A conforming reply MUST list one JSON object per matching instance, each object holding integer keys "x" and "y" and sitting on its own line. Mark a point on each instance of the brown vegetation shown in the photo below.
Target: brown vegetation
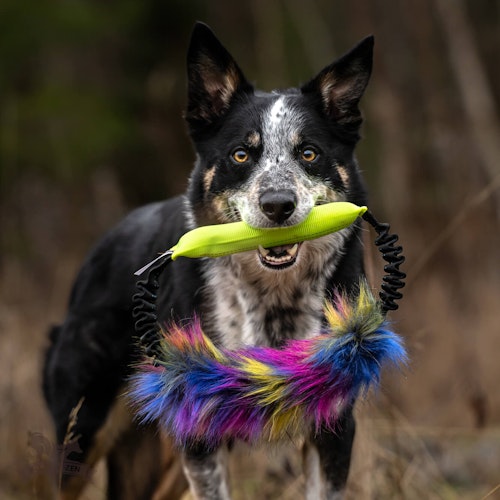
{"x": 431, "y": 156}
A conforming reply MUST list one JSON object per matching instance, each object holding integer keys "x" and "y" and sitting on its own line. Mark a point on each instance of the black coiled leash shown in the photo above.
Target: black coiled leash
{"x": 145, "y": 310}
{"x": 392, "y": 282}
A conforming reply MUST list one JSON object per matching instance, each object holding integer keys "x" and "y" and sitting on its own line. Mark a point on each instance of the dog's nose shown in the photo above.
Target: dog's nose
{"x": 278, "y": 206}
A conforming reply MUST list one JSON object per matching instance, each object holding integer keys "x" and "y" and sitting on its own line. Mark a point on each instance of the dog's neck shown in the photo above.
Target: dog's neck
{"x": 254, "y": 306}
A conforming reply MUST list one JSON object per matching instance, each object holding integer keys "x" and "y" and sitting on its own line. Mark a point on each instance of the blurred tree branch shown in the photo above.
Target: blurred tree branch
{"x": 474, "y": 87}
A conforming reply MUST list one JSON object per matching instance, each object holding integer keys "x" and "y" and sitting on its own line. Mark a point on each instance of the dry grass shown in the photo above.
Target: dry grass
{"x": 417, "y": 438}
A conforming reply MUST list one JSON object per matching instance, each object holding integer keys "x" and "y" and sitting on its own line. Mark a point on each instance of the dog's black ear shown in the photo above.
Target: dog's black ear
{"x": 214, "y": 78}
{"x": 342, "y": 84}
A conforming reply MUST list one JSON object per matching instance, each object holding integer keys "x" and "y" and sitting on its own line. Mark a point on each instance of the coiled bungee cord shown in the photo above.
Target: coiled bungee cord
{"x": 392, "y": 282}
{"x": 145, "y": 309}
{"x": 199, "y": 392}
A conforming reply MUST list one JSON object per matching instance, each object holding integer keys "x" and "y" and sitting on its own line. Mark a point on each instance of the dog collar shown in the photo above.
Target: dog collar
{"x": 199, "y": 392}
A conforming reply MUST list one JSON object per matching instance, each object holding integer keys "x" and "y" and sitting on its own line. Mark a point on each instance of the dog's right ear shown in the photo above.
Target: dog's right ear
{"x": 214, "y": 79}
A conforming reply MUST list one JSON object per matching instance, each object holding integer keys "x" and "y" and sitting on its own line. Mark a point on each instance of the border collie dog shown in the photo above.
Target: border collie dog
{"x": 266, "y": 159}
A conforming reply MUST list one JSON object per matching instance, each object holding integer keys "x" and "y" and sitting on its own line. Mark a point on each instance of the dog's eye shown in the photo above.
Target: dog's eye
{"x": 240, "y": 156}
{"x": 308, "y": 154}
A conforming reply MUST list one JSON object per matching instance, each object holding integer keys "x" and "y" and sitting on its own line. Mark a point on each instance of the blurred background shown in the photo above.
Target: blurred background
{"x": 91, "y": 103}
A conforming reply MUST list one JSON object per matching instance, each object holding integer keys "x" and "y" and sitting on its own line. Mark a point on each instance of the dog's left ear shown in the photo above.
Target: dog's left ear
{"x": 214, "y": 79}
{"x": 342, "y": 84}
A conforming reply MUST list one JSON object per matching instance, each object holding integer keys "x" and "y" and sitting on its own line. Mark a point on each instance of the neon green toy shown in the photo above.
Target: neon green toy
{"x": 225, "y": 239}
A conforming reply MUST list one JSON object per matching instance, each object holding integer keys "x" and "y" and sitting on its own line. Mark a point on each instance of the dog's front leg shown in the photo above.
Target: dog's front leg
{"x": 327, "y": 457}
{"x": 206, "y": 472}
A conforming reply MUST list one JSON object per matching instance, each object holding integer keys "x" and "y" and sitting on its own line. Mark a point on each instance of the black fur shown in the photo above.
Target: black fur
{"x": 93, "y": 351}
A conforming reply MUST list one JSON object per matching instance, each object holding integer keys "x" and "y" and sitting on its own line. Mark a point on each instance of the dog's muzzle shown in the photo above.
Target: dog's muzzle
{"x": 278, "y": 206}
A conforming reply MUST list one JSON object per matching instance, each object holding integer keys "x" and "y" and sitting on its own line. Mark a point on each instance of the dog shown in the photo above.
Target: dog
{"x": 266, "y": 159}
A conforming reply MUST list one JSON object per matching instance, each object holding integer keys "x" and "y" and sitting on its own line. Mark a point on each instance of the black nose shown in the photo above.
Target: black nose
{"x": 278, "y": 206}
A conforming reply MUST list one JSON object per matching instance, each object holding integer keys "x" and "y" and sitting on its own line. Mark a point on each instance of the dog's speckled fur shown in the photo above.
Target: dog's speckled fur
{"x": 265, "y": 158}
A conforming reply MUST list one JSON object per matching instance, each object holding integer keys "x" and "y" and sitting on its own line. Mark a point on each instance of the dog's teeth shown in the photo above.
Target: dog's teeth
{"x": 293, "y": 251}
{"x": 280, "y": 255}
{"x": 264, "y": 251}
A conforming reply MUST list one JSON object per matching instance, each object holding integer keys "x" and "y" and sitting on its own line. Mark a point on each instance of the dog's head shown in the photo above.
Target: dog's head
{"x": 268, "y": 158}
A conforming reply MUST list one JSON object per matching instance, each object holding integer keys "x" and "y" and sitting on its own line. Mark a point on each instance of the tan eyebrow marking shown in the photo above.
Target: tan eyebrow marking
{"x": 254, "y": 139}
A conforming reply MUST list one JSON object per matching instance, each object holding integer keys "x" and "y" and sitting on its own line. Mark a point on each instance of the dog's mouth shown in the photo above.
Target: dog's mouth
{"x": 279, "y": 257}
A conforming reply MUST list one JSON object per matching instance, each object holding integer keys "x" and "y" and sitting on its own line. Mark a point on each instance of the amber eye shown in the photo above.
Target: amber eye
{"x": 240, "y": 156}
{"x": 308, "y": 154}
